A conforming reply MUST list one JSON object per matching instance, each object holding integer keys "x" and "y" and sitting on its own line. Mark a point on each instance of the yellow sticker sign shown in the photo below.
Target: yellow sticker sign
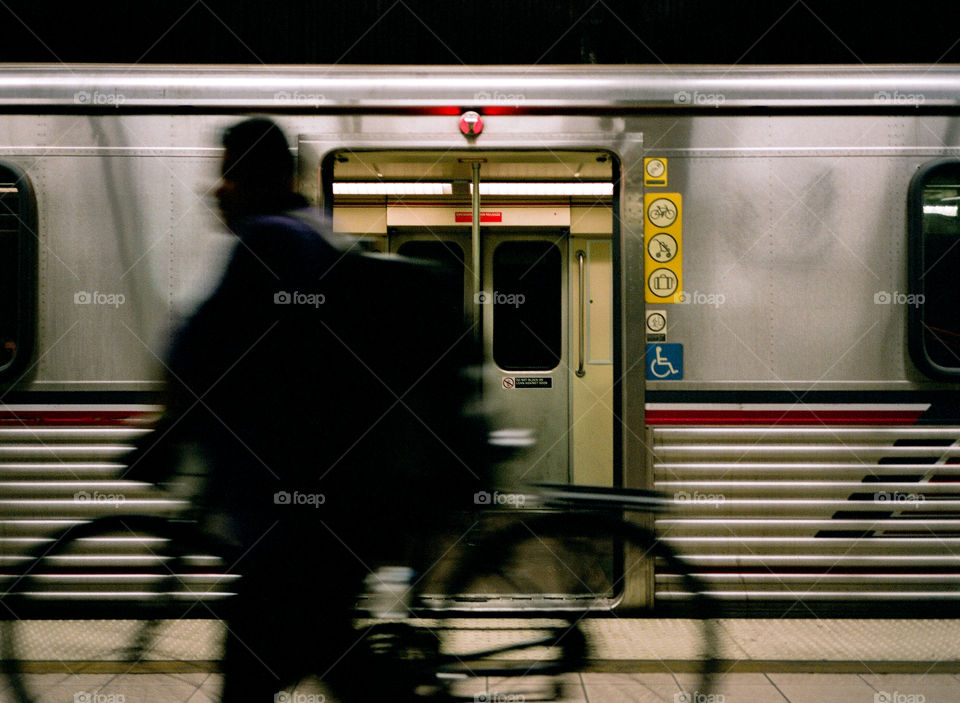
{"x": 655, "y": 172}
{"x": 663, "y": 246}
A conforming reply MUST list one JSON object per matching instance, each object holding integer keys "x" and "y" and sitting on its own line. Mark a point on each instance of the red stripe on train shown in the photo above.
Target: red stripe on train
{"x": 782, "y": 417}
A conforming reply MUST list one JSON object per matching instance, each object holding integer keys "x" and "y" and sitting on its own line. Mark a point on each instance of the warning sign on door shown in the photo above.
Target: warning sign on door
{"x": 510, "y": 382}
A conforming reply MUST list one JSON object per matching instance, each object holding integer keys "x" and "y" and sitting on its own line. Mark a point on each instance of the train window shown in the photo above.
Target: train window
{"x": 450, "y": 255}
{"x": 526, "y": 301}
{"x": 18, "y": 266}
{"x": 934, "y": 315}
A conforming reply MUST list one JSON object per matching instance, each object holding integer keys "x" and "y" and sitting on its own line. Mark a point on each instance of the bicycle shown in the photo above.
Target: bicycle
{"x": 526, "y": 582}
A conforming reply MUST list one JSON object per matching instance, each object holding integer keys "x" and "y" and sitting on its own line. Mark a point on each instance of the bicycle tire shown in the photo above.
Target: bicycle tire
{"x": 143, "y": 625}
{"x": 503, "y": 557}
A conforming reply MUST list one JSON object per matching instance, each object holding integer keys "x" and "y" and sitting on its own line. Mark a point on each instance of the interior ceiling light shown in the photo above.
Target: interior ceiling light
{"x": 528, "y": 188}
{"x": 346, "y": 188}
{"x": 546, "y": 188}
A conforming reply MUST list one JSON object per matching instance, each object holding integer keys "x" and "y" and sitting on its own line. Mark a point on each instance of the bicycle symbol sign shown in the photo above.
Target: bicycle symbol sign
{"x": 662, "y": 212}
{"x": 664, "y": 362}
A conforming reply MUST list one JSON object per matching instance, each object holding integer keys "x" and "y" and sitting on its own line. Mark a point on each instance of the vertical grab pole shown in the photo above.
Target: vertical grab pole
{"x": 477, "y": 277}
{"x": 581, "y": 311}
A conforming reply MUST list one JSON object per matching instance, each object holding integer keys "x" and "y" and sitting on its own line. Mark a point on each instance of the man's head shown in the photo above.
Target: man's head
{"x": 257, "y": 171}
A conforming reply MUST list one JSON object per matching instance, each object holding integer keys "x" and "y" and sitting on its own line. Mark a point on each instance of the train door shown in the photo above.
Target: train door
{"x": 590, "y": 277}
{"x": 539, "y": 283}
{"x": 524, "y": 319}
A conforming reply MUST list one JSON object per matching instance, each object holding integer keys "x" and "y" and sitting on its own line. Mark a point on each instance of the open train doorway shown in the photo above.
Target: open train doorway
{"x": 532, "y": 234}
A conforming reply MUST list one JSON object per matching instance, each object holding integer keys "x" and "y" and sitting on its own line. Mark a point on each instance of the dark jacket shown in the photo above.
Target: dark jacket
{"x": 321, "y": 384}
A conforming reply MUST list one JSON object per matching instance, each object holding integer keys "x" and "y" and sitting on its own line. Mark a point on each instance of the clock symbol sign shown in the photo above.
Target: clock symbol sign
{"x": 655, "y": 168}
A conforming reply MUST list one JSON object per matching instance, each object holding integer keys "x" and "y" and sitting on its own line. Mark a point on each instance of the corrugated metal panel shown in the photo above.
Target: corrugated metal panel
{"x": 813, "y": 513}
{"x": 52, "y": 478}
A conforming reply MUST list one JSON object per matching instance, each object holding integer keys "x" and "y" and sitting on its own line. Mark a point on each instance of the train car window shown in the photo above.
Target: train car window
{"x": 448, "y": 254}
{"x": 933, "y": 310}
{"x": 18, "y": 266}
{"x": 527, "y": 306}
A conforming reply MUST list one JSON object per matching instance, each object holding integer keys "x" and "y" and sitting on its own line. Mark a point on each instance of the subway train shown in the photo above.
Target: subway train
{"x": 730, "y": 284}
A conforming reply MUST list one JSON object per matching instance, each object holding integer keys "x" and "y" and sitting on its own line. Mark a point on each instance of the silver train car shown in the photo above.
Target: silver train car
{"x": 732, "y": 284}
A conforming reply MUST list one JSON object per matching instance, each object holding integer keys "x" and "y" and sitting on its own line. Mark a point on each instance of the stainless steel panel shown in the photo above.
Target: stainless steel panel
{"x": 742, "y": 549}
{"x": 52, "y": 478}
{"x": 70, "y": 434}
{"x": 545, "y": 411}
{"x": 797, "y": 220}
{"x": 773, "y": 526}
{"x": 799, "y": 597}
{"x": 87, "y": 509}
{"x": 756, "y": 507}
{"x": 314, "y": 88}
{"x": 787, "y": 508}
{"x": 815, "y": 489}
{"x": 789, "y": 253}
{"x": 855, "y": 469}
{"x": 836, "y": 435}
{"x": 801, "y": 452}
{"x": 74, "y": 452}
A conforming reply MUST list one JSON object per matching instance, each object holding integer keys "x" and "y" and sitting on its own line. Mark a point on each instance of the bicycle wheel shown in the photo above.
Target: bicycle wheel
{"x": 109, "y": 599}
{"x": 566, "y": 565}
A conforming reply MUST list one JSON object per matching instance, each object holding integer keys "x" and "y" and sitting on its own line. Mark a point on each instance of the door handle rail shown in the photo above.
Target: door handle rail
{"x": 581, "y": 311}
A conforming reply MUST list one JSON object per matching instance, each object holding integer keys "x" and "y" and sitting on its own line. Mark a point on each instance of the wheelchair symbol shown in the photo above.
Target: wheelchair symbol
{"x": 666, "y": 362}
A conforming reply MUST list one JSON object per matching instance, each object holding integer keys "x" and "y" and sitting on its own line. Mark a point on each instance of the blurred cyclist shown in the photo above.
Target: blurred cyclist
{"x": 322, "y": 388}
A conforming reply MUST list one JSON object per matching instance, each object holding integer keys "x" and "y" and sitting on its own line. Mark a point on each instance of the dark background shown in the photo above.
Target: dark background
{"x": 481, "y": 31}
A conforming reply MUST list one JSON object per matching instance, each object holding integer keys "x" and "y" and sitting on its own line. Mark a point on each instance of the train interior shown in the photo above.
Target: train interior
{"x": 537, "y": 287}
{"x": 546, "y": 228}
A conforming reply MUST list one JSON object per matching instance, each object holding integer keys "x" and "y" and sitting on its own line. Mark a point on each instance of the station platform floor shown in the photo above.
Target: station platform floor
{"x": 632, "y": 660}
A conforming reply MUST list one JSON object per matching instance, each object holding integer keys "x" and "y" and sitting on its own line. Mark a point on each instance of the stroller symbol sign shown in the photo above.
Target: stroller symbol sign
{"x": 662, "y": 247}
{"x": 664, "y": 362}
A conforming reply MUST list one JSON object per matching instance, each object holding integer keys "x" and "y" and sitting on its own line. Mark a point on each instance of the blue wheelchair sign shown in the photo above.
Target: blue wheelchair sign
{"x": 664, "y": 362}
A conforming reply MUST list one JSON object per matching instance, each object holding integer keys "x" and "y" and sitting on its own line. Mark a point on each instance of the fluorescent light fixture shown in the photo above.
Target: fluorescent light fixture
{"x": 948, "y": 210}
{"x": 347, "y": 188}
{"x": 531, "y": 188}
